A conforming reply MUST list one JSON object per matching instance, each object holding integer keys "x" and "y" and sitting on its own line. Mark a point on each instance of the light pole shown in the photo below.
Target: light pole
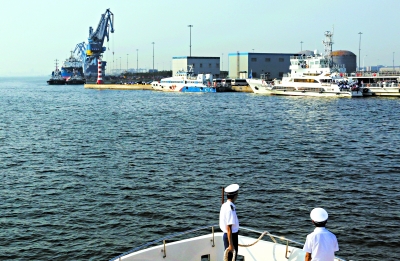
{"x": 137, "y": 60}
{"x": 190, "y": 28}
{"x": 127, "y": 63}
{"x": 120, "y": 62}
{"x": 222, "y": 61}
{"x": 364, "y": 62}
{"x": 301, "y": 46}
{"x": 153, "y": 60}
{"x": 359, "y": 51}
{"x": 393, "y": 62}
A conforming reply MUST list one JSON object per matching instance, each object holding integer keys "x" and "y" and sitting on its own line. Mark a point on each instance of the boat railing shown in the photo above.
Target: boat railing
{"x": 273, "y": 237}
{"x": 376, "y": 74}
{"x": 164, "y": 239}
{"x": 284, "y": 239}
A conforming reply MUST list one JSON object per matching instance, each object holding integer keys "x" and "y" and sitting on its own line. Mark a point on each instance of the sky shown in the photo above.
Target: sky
{"x": 36, "y": 33}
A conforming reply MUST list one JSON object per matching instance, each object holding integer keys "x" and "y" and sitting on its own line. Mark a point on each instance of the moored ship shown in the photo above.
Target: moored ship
{"x": 71, "y": 66}
{"x": 56, "y": 78}
{"x": 186, "y": 81}
{"x": 311, "y": 75}
{"x": 382, "y": 83}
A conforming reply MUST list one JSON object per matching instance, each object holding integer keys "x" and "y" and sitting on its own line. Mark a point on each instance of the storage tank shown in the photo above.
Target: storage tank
{"x": 347, "y": 58}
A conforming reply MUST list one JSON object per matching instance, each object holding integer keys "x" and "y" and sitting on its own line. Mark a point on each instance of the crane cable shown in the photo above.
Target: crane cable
{"x": 248, "y": 245}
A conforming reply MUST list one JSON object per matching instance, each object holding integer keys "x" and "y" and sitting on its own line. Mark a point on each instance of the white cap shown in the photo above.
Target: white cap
{"x": 232, "y": 189}
{"x": 319, "y": 215}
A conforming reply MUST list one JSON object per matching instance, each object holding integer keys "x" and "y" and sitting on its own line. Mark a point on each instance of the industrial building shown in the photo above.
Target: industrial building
{"x": 200, "y": 64}
{"x": 274, "y": 65}
{"x": 259, "y": 65}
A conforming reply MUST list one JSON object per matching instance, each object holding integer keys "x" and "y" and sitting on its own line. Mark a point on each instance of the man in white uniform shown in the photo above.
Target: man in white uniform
{"x": 228, "y": 220}
{"x": 321, "y": 244}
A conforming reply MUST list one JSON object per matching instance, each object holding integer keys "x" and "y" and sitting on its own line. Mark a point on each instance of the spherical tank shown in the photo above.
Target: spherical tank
{"x": 347, "y": 58}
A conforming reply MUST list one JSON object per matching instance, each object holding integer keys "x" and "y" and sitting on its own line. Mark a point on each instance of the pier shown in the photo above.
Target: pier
{"x": 118, "y": 86}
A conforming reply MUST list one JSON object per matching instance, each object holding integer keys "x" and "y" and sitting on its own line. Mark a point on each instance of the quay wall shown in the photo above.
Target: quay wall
{"x": 149, "y": 87}
{"x": 118, "y": 86}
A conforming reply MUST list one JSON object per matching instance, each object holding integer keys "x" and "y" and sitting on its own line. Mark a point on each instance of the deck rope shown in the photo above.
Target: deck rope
{"x": 248, "y": 245}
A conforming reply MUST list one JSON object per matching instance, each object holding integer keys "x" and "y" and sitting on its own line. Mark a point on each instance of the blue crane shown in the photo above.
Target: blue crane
{"x": 89, "y": 53}
{"x": 96, "y": 38}
{"x": 80, "y": 49}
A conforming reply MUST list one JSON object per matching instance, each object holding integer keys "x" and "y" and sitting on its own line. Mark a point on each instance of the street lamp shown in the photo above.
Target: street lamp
{"x": 137, "y": 60}
{"x": 127, "y": 63}
{"x": 359, "y": 51}
{"x": 153, "y": 60}
{"x": 301, "y": 46}
{"x": 393, "y": 62}
{"x": 222, "y": 61}
{"x": 120, "y": 62}
{"x": 190, "y": 28}
{"x": 364, "y": 62}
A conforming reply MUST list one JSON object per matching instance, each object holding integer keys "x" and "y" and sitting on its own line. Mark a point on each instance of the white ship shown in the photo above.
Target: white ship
{"x": 186, "y": 81}
{"x": 263, "y": 246}
{"x": 382, "y": 83}
{"x": 311, "y": 75}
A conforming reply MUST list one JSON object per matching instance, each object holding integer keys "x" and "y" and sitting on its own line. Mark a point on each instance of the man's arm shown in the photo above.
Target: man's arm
{"x": 229, "y": 234}
{"x": 307, "y": 257}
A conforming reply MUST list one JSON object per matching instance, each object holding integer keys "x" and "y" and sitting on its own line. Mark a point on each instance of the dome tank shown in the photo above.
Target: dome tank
{"x": 347, "y": 58}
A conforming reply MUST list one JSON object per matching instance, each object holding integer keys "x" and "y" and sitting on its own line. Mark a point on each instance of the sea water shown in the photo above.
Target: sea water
{"x": 88, "y": 174}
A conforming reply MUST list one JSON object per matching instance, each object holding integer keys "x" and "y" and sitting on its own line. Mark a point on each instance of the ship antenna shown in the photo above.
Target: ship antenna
{"x": 328, "y": 45}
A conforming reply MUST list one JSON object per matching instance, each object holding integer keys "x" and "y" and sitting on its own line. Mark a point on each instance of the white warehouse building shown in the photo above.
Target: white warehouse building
{"x": 259, "y": 65}
{"x": 200, "y": 64}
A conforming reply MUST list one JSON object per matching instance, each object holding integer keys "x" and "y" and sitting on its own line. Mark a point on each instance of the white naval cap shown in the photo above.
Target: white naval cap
{"x": 319, "y": 215}
{"x": 232, "y": 189}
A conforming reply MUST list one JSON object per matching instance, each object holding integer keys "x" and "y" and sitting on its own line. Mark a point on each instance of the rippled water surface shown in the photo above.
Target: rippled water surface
{"x": 87, "y": 175}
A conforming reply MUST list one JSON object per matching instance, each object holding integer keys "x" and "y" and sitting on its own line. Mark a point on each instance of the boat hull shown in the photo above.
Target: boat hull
{"x": 75, "y": 82}
{"x": 56, "y": 82}
{"x": 384, "y": 91}
{"x": 196, "y": 89}
{"x": 262, "y": 87}
{"x": 211, "y": 247}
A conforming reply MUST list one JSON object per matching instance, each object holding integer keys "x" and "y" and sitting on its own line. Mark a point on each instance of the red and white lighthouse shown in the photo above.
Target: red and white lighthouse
{"x": 99, "y": 73}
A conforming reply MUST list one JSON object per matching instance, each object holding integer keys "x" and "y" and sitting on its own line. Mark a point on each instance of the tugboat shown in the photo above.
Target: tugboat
{"x": 75, "y": 79}
{"x": 56, "y": 78}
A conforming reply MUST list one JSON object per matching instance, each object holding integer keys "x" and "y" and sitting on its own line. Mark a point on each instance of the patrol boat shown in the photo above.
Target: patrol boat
{"x": 262, "y": 246}
{"x": 186, "y": 81}
{"x": 311, "y": 75}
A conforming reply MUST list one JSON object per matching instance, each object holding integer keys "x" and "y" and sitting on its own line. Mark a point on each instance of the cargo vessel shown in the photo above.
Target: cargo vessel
{"x": 72, "y": 66}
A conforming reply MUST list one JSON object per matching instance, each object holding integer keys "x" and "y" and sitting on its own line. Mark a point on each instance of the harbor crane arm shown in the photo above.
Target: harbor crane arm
{"x": 96, "y": 38}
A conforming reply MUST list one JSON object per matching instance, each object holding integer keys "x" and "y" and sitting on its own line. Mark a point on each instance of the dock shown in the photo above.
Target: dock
{"x": 118, "y": 86}
{"x": 140, "y": 87}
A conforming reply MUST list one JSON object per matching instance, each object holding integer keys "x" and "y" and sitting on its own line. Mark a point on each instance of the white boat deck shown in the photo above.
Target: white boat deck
{"x": 210, "y": 247}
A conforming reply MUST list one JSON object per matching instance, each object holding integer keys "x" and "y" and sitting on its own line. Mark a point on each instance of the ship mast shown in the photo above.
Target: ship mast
{"x": 328, "y": 42}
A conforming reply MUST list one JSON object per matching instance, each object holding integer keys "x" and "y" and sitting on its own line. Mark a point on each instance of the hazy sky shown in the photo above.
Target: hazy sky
{"x": 35, "y": 33}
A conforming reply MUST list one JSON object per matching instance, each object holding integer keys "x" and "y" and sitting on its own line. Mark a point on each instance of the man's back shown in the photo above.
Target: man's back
{"x": 322, "y": 244}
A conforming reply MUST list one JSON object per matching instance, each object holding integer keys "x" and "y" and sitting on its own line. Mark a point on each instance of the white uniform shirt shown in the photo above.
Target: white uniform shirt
{"x": 322, "y": 244}
{"x": 227, "y": 216}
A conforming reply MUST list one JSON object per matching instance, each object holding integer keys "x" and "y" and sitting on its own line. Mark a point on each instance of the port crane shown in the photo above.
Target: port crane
{"x": 80, "y": 50}
{"x": 96, "y": 38}
{"x": 90, "y": 52}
